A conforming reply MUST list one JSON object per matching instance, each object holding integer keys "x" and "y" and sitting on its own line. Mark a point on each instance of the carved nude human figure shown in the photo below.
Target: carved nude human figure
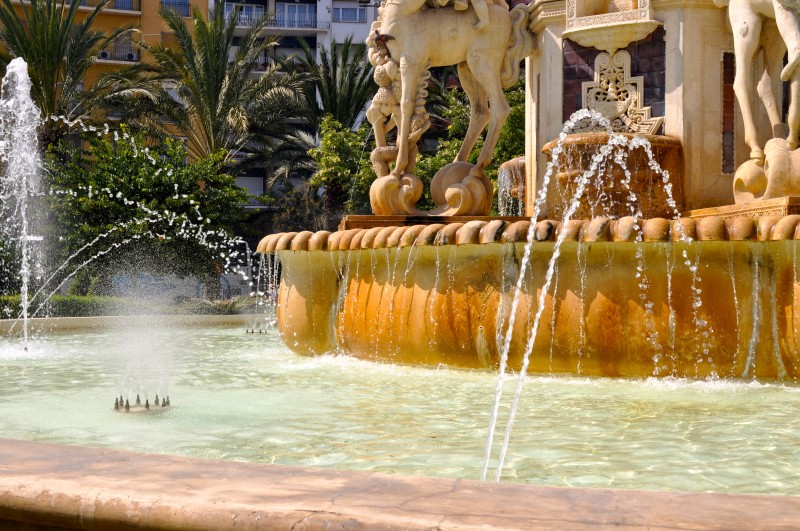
{"x": 750, "y": 34}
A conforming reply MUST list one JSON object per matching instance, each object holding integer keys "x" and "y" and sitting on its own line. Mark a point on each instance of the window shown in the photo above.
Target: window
{"x": 181, "y": 6}
{"x": 728, "y": 118}
{"x": 296, "y": 15}
{"x": 350, "y": 14}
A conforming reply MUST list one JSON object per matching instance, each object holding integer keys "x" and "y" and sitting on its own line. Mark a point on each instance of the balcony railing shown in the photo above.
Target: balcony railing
{"x": 182, "y": 7}
{"x": 283, "y": 22}
{"x": 119, "y": 5}
{"x": 119, "y": 52}
{"x": 299, "y": 22}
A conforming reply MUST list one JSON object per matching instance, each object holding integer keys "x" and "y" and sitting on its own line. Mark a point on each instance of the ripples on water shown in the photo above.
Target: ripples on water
{"x": 245, "y": 397}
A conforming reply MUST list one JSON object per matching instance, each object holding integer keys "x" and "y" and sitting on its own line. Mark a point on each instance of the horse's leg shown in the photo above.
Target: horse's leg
{"x": 788, "y": 22}
{"x": 479, "y": 110}
{"x": 770, "y": 86}
{"x": 410, "y": 72}
{"x": 486, "y": 68}
{"x": 746, "y": 26}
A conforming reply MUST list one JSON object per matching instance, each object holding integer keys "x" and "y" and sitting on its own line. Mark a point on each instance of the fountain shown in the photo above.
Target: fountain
{"x": 640, "y": 303}
{"x": 626, "y": 259}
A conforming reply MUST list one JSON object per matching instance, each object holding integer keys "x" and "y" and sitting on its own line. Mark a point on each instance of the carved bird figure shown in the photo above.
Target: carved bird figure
{"x": 381, "y": 40}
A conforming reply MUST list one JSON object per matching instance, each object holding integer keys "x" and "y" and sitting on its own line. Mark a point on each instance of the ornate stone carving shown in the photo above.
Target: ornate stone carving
{"x": 749, "y": 35}
{"x": 618, "y": 96}
{"x": 608, "y": 25}
{"x": 487, "y": 42}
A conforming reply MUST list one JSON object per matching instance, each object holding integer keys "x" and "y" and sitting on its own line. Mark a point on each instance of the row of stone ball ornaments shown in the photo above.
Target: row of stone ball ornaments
{"x": 629, "y": 229}
{"x": 123, "y": 404}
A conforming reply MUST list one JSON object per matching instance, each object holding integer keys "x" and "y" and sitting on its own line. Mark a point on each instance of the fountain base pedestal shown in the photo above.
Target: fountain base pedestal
{"x": 781, "y": 206}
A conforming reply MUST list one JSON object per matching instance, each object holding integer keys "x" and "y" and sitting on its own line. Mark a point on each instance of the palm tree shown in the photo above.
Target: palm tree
{"x": 207, "y": 87}
{"x": 59, "y": 50}
{"x": 339, "y": 85}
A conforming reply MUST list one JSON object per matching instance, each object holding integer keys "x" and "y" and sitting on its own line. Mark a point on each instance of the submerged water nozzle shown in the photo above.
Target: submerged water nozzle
{"x": 138, "y": 407}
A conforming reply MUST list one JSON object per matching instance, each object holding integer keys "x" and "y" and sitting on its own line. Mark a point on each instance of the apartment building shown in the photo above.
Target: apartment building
{"x": 141, "y": 14}
{"x": 321, "y": 23}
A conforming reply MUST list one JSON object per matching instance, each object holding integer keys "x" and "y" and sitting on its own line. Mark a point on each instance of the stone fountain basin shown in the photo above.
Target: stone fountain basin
{"x": 726, "y": 303}
{"x": 607, "y": 194}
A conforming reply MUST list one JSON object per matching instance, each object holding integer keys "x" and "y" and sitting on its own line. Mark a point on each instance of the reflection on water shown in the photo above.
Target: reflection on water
{"x": 245, "y": 397}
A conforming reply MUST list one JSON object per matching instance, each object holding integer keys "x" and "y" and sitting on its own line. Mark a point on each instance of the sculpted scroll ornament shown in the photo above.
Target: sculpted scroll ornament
{"x": 487, "y": 42}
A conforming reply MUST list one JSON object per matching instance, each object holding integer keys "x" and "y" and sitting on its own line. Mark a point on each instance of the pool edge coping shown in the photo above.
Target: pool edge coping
{"x": 74, "y": 487}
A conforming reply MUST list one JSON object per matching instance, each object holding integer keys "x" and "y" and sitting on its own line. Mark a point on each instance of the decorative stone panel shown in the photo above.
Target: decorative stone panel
{"x": 648, "y": 57}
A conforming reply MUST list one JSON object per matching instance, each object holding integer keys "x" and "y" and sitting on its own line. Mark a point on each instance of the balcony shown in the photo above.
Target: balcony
{"x": 120, "y": 52}
{"x": 117, "y": 5}
{"x": 285, "y": 22}
{"x": 182, "y": 7}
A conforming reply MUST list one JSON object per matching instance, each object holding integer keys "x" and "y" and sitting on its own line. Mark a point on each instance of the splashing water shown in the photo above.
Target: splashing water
{"x": 614, "y": 152}
{"x": 509, "y": 200}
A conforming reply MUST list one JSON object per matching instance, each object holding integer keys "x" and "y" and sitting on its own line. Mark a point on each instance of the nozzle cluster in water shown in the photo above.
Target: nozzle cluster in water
{"x": 123, "y": 404}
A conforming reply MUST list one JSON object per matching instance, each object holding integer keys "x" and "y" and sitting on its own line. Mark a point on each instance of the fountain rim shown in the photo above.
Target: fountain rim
{"x": 600, "y": 229}
{"x": 601, "y": 138}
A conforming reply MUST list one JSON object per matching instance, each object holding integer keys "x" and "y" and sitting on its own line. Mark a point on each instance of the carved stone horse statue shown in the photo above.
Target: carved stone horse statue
{"x": 750, "y": 34}
{"x": 416, "y": 37}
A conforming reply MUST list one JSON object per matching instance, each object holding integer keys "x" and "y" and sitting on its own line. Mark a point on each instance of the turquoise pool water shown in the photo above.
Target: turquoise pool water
{"x": 246, "y": 397}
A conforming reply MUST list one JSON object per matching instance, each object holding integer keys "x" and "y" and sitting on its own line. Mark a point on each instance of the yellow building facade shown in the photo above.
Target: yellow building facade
{"x": 143, "y": 15}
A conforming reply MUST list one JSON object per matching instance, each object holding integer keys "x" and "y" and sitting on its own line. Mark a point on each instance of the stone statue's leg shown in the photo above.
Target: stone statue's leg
{"x": 479, "y": 110}
{"x": 377, "y": 119}
{"x": 482, "y": 12}
{"x": 746, "y": 25}
{"x": 410, "y": 72}
{"x": 770, "y": 86}
{"x": 486, "y": 67}
{"x": 788, "y": 22}
{"x": 794, "y": 112}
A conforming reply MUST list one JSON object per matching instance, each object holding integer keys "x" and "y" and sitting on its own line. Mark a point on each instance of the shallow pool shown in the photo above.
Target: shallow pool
{"x": 246, "y": 397}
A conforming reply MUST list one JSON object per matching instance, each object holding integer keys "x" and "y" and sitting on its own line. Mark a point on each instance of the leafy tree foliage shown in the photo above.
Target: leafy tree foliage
{"x": 124, "y": 194}
{"x": 339, "y": 85}
{"x": 59, "y": 50}
{"x": 344, "y": 170}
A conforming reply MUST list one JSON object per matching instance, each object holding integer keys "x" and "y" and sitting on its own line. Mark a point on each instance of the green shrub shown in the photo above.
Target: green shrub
{"x": 96, "y": 306}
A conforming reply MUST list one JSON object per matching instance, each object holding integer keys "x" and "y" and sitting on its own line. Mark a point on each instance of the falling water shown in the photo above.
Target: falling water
{"x": 509, "y": 198}
{"x": 615, "y": 151}
{"x": 569, "y": 126}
